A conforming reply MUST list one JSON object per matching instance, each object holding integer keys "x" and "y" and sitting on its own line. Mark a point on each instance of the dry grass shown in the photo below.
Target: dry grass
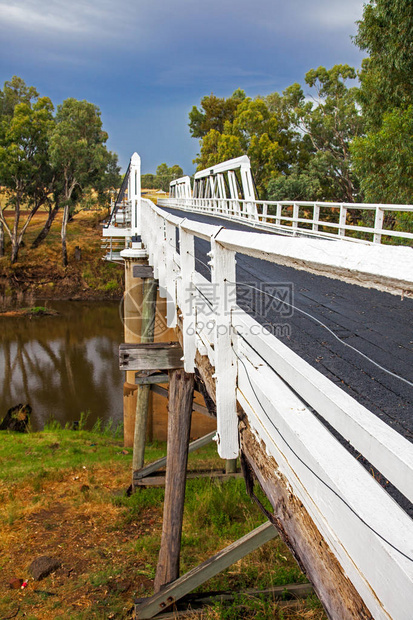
{"x": 62, "y": 494}
{"x": 39, "y": 271}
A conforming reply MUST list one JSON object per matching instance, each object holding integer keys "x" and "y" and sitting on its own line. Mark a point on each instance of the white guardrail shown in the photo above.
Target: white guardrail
{"x": 328, "y": 219}
{"x": 369, "y": 534}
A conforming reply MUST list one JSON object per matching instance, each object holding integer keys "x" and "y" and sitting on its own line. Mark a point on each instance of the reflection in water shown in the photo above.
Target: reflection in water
{"x": 63, "y": 365}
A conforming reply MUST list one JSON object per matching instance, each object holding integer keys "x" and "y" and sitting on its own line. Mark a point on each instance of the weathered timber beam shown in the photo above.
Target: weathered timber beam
{"x": 142, "y": 271}
{"x": 150, "y": 356}
{"x": 159, "y": 481}
{"x": 195, "y": 406}
{"x": 268, "y": 594}
{"x": 336, "y": 592}
{"x": 181, "y": 393}
{"x": 195, "y": 602}
{"x": 153, "y": 379}
{"x": 211, "y": 567}
{"x": 160, "y": 463}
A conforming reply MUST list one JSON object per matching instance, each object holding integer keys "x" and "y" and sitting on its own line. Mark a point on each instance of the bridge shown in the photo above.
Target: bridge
{"x": 296, "y": 318}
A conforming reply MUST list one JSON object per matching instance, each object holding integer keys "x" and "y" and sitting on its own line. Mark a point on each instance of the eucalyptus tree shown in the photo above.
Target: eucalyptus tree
{"x": 78, "y": 156}
{"x": 25, "y": 172}
{"x": 383, "y": 158}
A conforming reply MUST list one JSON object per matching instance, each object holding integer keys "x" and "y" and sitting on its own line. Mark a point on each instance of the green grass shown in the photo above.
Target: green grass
{"x": 64, "y": 490}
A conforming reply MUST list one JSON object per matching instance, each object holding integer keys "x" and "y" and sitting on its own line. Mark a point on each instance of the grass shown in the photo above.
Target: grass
{"x": 40, "y": 272}
{"x": 62, "y": 494}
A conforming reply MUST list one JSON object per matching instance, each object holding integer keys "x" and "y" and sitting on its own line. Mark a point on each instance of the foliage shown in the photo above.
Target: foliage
{"x": 78, "y": 156}
{"x": 43, "y": 156}
{"x": 294, "y": 145}
{"x": 331, "y": 122}
{"x": 25, "y": 171}
{"x": 383, "y": 158}
{"x": 386, "y": 33}
{"x": 254, "y": 130}
{"x": 214, "y": 113}
{"x": 161, "y": 180}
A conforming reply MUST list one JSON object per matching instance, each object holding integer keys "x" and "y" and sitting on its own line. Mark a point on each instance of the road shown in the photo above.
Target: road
{"x": 376, "y": 323}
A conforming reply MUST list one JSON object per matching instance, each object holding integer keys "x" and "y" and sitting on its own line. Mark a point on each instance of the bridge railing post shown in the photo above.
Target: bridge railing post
{"x": 378, "y": 225}
{"x": 342, "y": 221}
{"x": 316, "y": 217}
{"x": 224, "y": 288}
{"x": 187, "y": 249}
{"x": 278, "y": 214}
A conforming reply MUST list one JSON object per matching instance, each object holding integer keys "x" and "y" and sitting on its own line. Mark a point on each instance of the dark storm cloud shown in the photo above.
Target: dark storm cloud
{"x": 146, "y": 63}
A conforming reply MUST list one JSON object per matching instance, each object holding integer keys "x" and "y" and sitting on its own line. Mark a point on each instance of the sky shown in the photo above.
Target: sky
{"x": 145, "y": 63}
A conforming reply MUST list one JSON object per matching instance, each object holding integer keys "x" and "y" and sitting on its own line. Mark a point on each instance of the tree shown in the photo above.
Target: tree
{"x": 331, "y": 123}
{"x": 214, "y": 113}
{"x": 383, "y": 157}
{"x": 254, "y": 131}
{"x": 25, "y": 172}
{"x": 386, "y": 33}
{"x": 78, "y": 155}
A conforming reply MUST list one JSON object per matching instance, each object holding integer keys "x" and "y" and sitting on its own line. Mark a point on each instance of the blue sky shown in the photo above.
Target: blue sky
{"x": 145, "y": 63}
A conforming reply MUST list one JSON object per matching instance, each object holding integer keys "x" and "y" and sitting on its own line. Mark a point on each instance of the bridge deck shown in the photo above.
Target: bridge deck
{"x": 376, "y": 323}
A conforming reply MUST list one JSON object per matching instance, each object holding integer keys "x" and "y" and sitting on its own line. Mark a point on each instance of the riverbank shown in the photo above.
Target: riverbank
{"x": 39, "y": 273}
{"x": 63, "y": 496}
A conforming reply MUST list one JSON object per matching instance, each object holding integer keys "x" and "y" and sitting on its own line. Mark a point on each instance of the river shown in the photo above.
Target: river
{"x": 65, "y": 364}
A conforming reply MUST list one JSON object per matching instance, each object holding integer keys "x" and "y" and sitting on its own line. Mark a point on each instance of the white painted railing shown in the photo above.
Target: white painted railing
{"x": 321, "y": 219}
{"x": 369, "y": 534}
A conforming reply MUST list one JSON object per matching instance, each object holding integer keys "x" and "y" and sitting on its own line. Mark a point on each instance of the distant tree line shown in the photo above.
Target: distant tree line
{"x": 164, "y": 175}
{"x": 49, "y": 159}
{"x": 352, "y": 141}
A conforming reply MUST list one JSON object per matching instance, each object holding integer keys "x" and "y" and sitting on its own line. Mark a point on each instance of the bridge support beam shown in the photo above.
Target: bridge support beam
{"x": 181, "y": 391}
{"x": 132, "y": 303}
{"x": 150, "y": 288}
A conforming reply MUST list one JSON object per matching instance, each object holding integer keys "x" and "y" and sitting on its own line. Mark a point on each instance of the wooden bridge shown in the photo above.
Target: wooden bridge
{"x": 301, "y": 334}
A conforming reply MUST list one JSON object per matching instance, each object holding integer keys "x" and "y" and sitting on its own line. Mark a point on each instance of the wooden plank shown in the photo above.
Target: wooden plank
{"x": 159, "y": 481}
{"x": 196, "y": 603}
{"x": 223, "y": 276}
{"x": 160, "y": 463}
{"x": 359, "y": 522}
{"x": 335, "y": 590}
{"x": 142, "y": 271}
{"x": 151, "y": 356}
{"x": 189, "y": 613}
{"x": 181, "y": 392}
{"x": 211, "y": 567}
{"x": 153, "y": 380}
{"x": 382, "y": 446}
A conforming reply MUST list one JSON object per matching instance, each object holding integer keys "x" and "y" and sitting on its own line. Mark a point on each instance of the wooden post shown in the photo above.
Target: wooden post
{"x": 142, "y": 401}
{"x": 1, "y": 239}
{"x": 181, "y": 389}
{"x": 132, "y": 329}
{"x": 231, "y": 466}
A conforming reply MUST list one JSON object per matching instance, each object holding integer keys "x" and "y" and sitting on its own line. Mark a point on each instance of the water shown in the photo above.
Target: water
{"x": 63, "y": 365}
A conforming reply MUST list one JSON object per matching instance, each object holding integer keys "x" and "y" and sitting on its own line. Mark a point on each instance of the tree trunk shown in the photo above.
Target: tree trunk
{"x": 1, "y": 239}
{"x": 65, "y": 261}
{"x": 46, "y": 228}
{"x": 15, "y": 234}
